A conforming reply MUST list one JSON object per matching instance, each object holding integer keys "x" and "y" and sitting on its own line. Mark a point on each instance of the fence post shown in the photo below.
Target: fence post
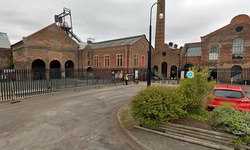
{"x": 13, "y": 93}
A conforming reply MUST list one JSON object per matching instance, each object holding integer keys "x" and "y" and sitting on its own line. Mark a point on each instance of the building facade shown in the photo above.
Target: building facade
{"x": 52, "y": 53}
{"x": 47, "y": 49}
{"x": 123, "y": 55}
{"x": 225, "y": 51}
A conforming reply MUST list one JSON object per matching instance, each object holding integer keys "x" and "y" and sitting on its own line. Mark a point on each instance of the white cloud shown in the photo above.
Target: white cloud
{"x": 186, "y": 20}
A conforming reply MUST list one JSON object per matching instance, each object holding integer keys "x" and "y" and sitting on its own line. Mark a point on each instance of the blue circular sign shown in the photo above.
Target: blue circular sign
{"x": 190, "y": 74}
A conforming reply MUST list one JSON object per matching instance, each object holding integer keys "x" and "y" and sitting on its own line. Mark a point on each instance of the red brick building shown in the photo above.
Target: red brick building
{"x": 51, "y": 49}
{"x": 125, "y": 54}
{"x": 225, "y": 51}
{"x": 47, "y": 49}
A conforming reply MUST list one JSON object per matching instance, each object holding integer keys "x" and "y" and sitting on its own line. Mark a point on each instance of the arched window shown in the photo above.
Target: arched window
{"x": 173, "y": 74}
{"x": 236, "y": 73}
{"x": 238, "y": 45}
{"x": 213, "y": 53}
{"x": 164, "y": 69}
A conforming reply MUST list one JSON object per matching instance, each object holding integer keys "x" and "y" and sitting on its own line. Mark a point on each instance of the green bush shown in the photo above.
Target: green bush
{"x": 232, "y": 121}
{"x": 196, "y": 89}
{"x": 157, "y": 104}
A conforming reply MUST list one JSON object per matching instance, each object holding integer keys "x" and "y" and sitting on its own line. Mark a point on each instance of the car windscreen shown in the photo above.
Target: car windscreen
{"x": 228, "y": 94}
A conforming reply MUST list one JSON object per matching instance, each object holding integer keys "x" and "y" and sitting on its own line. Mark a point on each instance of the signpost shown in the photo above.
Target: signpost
{"x": 190, "y": 74}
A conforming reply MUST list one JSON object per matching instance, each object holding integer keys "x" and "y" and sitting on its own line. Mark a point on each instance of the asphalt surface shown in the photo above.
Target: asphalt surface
{"x": 69, "y": 120}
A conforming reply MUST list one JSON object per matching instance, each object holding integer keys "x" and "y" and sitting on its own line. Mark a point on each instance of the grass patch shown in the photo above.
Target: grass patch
{"x": 126, "y": 118}
{"x": 202, "y": 115}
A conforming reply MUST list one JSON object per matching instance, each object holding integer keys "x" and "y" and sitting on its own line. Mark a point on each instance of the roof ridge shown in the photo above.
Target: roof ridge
{"x": 120, "y": 39}
{"x": 117, "y": 42}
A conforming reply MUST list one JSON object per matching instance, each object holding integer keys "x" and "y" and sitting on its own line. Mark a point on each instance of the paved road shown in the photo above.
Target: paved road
{"x": 84, "y": 119}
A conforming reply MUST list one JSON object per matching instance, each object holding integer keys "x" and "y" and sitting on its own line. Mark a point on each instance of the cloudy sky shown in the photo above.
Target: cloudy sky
{"x": 186, "y": 20}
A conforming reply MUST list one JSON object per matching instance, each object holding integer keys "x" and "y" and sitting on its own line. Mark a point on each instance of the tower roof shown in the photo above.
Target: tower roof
{"x": 4, "y": 40}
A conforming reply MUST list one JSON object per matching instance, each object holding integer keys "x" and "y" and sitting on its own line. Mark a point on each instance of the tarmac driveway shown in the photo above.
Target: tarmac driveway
{"x": 84, "y": 119}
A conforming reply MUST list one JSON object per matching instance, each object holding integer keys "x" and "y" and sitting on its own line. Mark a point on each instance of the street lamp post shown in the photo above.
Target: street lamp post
{"x": 179, "y": 67}
{"x": 149, "y": 50}
{"x": 187, "y": 47}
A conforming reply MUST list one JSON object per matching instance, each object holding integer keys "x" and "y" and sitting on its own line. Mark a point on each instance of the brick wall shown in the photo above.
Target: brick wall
{"x": 171, "y": 58}
{"x": 224, "y": 38}
{"x": 5, "y": 58}
{"x": 48, "y": 44}
{"x": 139, "y": 48}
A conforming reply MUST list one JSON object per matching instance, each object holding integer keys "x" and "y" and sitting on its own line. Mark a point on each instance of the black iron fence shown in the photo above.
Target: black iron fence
{"x": 14, "y": 89}
{"x": 228, "y": 75}
{"x": 20, "y": 83}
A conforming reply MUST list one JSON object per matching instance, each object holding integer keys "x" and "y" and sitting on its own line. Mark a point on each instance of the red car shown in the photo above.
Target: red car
{"x": 229, "y": 95}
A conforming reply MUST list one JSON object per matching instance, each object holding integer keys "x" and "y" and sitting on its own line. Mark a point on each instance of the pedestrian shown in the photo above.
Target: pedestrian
{"x": 126, "y": 79}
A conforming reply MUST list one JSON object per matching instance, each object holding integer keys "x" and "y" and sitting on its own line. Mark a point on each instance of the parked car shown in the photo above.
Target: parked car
{"x": 228, "y": 95}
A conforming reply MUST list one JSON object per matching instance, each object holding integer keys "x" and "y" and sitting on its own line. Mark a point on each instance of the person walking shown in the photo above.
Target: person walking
{"x": 126, "y": 79}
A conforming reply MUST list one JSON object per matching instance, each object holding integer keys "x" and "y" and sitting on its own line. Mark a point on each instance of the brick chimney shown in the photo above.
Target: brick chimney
{"x": 160, "y": 26}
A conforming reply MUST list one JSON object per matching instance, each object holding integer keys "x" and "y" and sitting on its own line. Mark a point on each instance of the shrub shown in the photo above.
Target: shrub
{"x": 157, "y": 104}
{"x": 196, "y": 89}
{"x": 232, "y": 121}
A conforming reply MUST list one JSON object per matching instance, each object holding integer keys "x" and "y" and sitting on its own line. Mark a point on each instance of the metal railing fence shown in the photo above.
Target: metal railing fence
{"x": 20, "y": 83}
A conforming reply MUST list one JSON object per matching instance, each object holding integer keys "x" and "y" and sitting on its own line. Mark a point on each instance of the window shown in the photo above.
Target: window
{"x": 213, "y": 54}
{"x": 106, "y": 60}
{"x": 164, "y": 53}
{"x": 96, "y": 60}
{"x": 142, "y": 61}
{"x": 238, "y": 45}
{"x": 136, "y": 60}
{"x": 239, "y": 29}
{"x": 228, "y": 93}
{"x": 119, "y": 60}
{"x": 193, "y": 51}
{"x": 236, "y": 72}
